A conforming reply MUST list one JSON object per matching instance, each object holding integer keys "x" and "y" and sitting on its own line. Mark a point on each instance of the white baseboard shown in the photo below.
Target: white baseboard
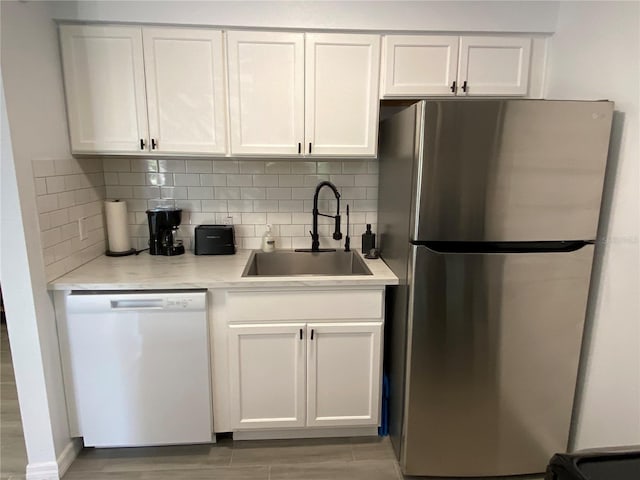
{"x": 43, "y": 471}
{"x": 68, "y": 455}
{"x": 55, "y": 470}
{"x": 305, "y": 433}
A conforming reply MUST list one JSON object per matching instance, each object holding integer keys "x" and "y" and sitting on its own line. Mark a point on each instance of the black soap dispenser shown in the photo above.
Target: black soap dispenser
{"x": 368, "y": 240}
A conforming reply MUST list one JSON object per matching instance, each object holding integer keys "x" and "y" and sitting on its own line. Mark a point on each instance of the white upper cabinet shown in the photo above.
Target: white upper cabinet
{"x": 303, "y": 95}
{"x": 439, "y": 65}
{"x": 494, "y": 65}
{"x": 416, "y": 65}
{"x": 266, "y": 92}
{"x": 341, "y": 88}
{"x": 179, "y": 109}
{"x": 105, "y": 90}
{"x": 185, "y": 90}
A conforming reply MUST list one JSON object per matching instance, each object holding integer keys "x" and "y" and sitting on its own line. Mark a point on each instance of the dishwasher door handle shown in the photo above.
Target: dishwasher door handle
{"x": 139, "y": 304}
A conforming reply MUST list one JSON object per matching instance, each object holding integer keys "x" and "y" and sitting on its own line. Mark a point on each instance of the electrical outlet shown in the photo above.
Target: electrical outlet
{"x": 228, "y": 221}
{"x": 82, "y": 228}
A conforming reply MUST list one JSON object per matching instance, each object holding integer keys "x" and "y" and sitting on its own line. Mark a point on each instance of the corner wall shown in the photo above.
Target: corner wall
{"x": 594, "y": 55}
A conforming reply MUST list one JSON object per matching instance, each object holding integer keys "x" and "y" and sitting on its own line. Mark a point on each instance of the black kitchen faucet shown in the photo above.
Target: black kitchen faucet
{"x": 315, "y": 238}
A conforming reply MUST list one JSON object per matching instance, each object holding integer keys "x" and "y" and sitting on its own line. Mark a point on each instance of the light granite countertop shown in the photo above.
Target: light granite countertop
{"x": 147, "y": 272}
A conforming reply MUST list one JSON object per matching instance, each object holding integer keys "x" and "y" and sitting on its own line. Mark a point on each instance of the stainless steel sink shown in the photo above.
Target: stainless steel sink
{"x": 288, "y": 263}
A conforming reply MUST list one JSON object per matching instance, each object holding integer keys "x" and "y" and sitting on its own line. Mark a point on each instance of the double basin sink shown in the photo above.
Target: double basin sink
{"x": 289, "y": 263}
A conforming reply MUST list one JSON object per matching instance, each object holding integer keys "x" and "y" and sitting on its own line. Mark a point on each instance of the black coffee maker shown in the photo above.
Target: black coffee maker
{"x": 163, "y": 226}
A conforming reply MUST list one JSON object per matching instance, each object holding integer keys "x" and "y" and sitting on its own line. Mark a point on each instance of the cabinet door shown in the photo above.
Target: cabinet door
{"x": 267, "y": 375}
{"x": 266, "y": 92}
{"x": 185, "y": 90}
{"x": 104, "y": 81}
{"x": 343, "y": 373}
{"x": 494, "y": 65}
{"x": 418, "y": 65}
{"x": 341, "y": 94}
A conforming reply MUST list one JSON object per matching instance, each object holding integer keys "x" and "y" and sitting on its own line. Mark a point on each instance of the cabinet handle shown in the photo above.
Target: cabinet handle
{"x": 154, "y": 144}
{"x": 453, "y": 87}
{"x": 312, "y": 334}
{"x": 310, "y": 152}
{"x": 299, "y": 148}
{"x": 464, "y": 86}
{"x": 142, "y": 144}
{"x": 300, "y": 334}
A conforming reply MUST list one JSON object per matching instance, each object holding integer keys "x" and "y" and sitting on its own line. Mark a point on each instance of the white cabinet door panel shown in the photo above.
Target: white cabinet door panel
{"x": 267, "y": 372}
{"x": 105, "y": 89}
{"x": 266, "y": 92}
{"x": 343, "y": 379}
{"x": 185, "y": 89}
{"x": 494, "y": 65}
{"x": 417, "y": 65}
{"x": 341, "y": 94}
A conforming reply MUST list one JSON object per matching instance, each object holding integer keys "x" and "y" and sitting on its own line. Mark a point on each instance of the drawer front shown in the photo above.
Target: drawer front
{"x": 304, "y": 304}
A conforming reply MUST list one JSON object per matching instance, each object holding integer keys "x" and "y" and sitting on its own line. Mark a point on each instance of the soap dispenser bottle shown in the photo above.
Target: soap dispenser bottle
{"x": 268, "y": 242}
{"x": 368, "y": 240}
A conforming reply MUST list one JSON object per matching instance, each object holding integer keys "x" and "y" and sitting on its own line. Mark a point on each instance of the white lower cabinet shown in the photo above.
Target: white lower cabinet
{"x": 290, "y": 367}
{"x": 296, "y": 374}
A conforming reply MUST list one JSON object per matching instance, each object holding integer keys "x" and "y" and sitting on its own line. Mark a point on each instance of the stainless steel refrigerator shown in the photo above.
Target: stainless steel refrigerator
{"x": 488, "y": 211}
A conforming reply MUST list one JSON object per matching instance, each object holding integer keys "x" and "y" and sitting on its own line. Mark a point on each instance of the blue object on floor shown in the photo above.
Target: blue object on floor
{"x": 383, "y": 429}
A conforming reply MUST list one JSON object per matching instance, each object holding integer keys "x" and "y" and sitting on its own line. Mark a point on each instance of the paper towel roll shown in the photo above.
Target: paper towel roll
{"x": 117, "y": 226}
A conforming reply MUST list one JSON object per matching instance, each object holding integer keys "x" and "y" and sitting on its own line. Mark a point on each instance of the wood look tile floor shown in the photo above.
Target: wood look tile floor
{"x": 366, "y": 458}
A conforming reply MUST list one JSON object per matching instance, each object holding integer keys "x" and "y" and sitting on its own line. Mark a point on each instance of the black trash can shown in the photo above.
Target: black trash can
{"x": 617, "y": 465}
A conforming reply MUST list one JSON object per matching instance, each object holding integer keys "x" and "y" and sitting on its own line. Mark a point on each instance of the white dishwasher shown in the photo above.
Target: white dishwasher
{"x": 139, "y": 367}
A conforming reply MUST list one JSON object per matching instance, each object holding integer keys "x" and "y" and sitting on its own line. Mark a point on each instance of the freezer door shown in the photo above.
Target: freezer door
{"x": 493, "y": 351}
{"x": 512, "y": 170}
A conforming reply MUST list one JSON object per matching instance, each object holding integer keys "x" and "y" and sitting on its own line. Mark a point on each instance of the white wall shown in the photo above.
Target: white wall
{"x": 595, "y": 55}
{"x": 507, "y": 16}
{"x": 37, "y": 125}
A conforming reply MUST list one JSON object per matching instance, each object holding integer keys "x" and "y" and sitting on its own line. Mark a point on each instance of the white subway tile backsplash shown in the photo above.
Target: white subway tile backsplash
{"x": 275, "y": 167}
{"x": 131, "y": 178}
{"x": 355, "y": 166}
{"x": 160, "y": 179}
{"x": 253, "y": 193}
{"x": 265, "y": 180}
{"x": 366, "y": 181}
{"x": 58, "y": 218}
{"x": 171, "y": 166}
{"x": 254, "y": 218}
{"x": 55, "y": 184}
{"x": 239, "y": 180}
{"x": 115, "y": 192}
{"x": 186, "y": 179}
{"x": 279, "y": 218}
{"x": 41, "y": 186}
{"x": 342, "y": 180}
{"x": 240, "y": 206}
{"x": 67, "y": 199}
{"x": 146, "y": 192}
{"x": 180, "y": 193}
{"x": 265, "y": 205}
{"x": 251, "y": 166}
{"x": 144, "y": 165}
{"x": 51, "y": 237}
{"x": 213, "y": 180}
{"x": 43, "y": 168}
{"x": 199, "y": 166}
{"x": 303, "y": 167}
{"x": 256, "y": 192}
{"x": 279, "y": 193}
{"x": 214, "y": 206}
{"x": 290, "y": 205}
{"x": 225, "y": 166}
{"x": 227, "y": 193}
{"x": 200, "y": 193}
{"x": 116, "y": 165}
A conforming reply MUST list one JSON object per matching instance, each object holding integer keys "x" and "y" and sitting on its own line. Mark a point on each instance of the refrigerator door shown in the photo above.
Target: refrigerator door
{"x": 492, "y": 360}
{"x": 512, "y": 170}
